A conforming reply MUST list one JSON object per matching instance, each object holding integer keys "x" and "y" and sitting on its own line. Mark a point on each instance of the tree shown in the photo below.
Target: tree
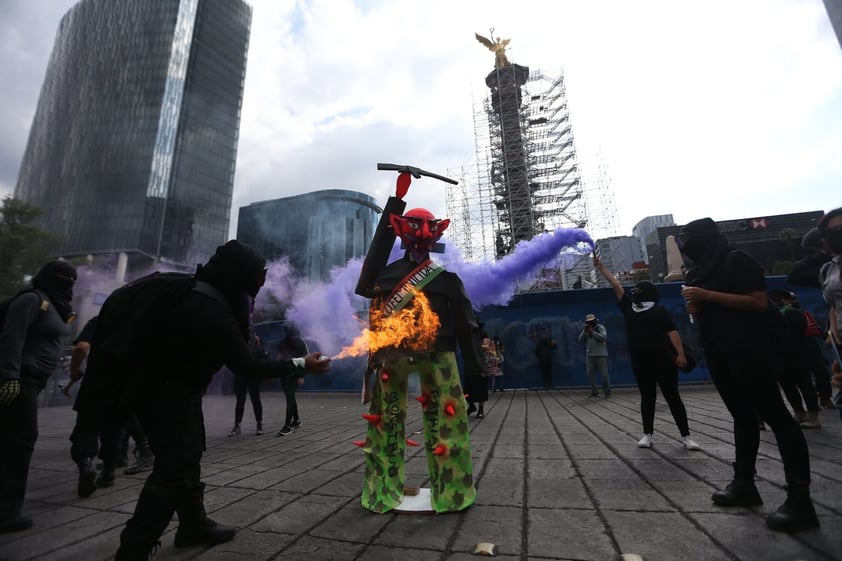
{"x": 24, "y": 247}
{"x": 790, "y": 237}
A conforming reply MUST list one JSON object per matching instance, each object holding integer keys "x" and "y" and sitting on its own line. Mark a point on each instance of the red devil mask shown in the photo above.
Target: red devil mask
{"x": 419, "y": 230}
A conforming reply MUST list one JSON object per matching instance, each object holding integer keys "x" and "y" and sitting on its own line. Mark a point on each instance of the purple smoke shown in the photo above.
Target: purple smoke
{"x": 332, "y": 315}
{"x": 329, "y": 314}
{"x": 494, "y": 283}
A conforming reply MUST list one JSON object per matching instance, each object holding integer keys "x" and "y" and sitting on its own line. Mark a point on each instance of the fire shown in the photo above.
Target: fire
{"x": 413, "y": 327}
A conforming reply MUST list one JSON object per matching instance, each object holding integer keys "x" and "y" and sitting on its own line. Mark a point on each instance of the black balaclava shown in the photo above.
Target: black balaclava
{"x": 700, "y": 236}
{"x": 645, "y": 291}
{"x": 704, "y": 245}
{"x": 238, "y": 271}
{"x": 56, "y": 280}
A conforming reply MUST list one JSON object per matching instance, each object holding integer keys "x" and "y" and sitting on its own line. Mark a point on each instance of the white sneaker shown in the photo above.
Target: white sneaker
{"x": 690, "y": 444}
{"x": 646, "y": 441}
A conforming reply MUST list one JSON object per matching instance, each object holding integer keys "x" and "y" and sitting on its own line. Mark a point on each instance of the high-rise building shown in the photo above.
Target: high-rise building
{"x": 619, "y": 253}
{"x": 773, "y": 241}
{"x": 646, "y": 227}
{"x": 317, "y": 231}
{"x": 134, "y": 141}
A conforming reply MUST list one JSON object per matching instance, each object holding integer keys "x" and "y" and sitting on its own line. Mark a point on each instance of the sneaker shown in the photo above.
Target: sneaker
{"x": 296, "y": 424}
{"x": 143, "y": 463}
{"x": 285, "y": 430}
{"x": 811, "y": 420}
{"x": 827, "y": 403}
{"x": 235, "y": 431}
{"x": 689, "y": 443}
{"x": 259, "y": 430}
{"x": 799, "y": 416}
{"x": 646, "y": 441}
{"x": 594, "y": 395}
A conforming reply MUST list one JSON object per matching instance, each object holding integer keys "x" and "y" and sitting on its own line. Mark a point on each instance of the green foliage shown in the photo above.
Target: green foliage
{"x": 24, "y": 247}
{"x": 781, "y": 268}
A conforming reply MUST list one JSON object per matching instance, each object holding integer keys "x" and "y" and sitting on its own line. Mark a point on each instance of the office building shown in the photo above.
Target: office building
{"x": 620, "y": 254}
{"x": 317, "y": 231}
{"x": 133, "y": 144}
{"x": 774, "y": 241}
{"x": 646, "y": 227}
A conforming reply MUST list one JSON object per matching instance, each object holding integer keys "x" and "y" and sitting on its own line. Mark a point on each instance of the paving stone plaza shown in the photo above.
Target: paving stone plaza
{"x": 559, "y": 476}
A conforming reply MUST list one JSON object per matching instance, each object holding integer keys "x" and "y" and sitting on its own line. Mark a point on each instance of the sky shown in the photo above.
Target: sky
{"x": 723, "y": 109}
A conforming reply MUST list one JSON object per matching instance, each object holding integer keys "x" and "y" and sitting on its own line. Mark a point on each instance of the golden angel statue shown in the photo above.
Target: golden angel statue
{"x": 498, "y": 47}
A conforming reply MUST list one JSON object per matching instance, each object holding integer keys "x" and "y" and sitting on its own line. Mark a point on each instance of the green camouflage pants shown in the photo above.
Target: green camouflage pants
{"x": 445, "y": 435}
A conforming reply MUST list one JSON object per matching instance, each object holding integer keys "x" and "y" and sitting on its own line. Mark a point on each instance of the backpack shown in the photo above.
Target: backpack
{"x": 4, "y": 305}
{"x": 813, "y": 329}
{"x": 129, "y": 325}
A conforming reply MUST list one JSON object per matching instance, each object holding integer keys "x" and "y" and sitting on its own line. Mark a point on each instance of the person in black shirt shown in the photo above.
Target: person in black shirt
{"x": 290, "y": 346}
{"x": 544, "y": 350}
{"x": 107, "y": 434}
{"x": 653, "y": 342}
{"x": 242, "y": 385}
{"x": 725, "y": 294}
{"x": 794, "y": 366}
{"x": 199, "y": 323}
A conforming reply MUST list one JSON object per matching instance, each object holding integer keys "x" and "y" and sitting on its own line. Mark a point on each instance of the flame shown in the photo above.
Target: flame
{"x": 414, "y": 327}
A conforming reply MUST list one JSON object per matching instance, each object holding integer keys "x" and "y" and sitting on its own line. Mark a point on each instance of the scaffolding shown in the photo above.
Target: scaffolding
{"x": 526, "y": 177}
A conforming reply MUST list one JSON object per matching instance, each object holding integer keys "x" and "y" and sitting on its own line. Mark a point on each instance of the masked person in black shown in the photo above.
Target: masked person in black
{"x": 656, "y": 353}
{"x": 189, "y": 329}
{"x": 725, "y": 294}
{"x": 30, "y": 350}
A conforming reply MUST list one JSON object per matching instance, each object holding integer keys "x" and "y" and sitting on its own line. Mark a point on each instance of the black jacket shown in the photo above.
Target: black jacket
{"x": 195, "y": 335}
{"x": 446, "y": 293}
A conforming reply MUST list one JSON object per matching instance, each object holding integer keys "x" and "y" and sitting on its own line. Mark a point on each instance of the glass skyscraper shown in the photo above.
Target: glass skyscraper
{"x": 134, "y": 140}
{"x": 316, "y": 231}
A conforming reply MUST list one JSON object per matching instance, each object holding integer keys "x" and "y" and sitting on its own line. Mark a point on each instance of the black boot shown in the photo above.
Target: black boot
{"x": 194, "y": 527}
{"x": 153, "y": 513}
{"x": 128, "y": 554}
{"x": 740, "y": 492}
{"x": 481, "y": 413}
{"x": 106, "y": 476}
{"x": 471, "y": 408}
{"x": 797, "y": 513}
{"x": 87, "y": 478}
{"x": 15, "y": 523}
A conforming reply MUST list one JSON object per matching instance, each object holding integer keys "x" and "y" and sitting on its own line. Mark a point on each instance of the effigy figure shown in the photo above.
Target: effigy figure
{"x": 421, "y": 296}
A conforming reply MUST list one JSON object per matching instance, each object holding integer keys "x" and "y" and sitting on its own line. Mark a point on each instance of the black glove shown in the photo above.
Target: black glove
{"x": 9, "y": 390}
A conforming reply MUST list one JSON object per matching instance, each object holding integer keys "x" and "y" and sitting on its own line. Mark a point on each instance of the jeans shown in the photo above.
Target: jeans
{"x": 600, "y": 363}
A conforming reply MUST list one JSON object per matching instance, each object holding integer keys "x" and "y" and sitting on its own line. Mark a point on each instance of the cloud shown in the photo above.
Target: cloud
{"x": 695, "y": 110}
